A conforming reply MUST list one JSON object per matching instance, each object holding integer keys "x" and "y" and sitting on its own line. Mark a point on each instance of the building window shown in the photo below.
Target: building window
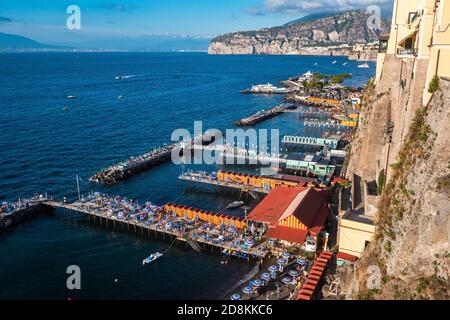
{"x": 412, "y": 16}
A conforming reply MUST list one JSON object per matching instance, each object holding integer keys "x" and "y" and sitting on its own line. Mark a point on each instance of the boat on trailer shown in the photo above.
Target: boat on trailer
{"x": 151, "y": 258}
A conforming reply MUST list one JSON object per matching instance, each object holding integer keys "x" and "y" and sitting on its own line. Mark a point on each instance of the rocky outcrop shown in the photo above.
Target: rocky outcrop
{"x": 346, "y": 28}
{"x": 411, "y": 142}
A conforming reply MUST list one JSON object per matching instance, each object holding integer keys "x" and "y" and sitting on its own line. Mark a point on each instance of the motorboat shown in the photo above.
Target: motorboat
{"x": 151, "y": 258}
{"x": 71, "y": 97}
{"x": 334, "y": 62}
{"x": 235, "y": 204}
{"x": 364, "y": 66}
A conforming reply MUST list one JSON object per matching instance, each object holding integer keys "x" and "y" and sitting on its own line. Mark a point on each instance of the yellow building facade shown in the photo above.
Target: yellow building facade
{"x": 421, "y": 30}
{"x": 354, "y": 234}
{"x": 265, "y": 182}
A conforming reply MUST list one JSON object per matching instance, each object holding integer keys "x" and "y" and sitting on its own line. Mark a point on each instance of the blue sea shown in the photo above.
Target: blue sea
{"x": 46, "y": 140}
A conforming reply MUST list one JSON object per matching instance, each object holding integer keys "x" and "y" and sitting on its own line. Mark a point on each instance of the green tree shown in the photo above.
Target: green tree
{"x": 434, "y": 84}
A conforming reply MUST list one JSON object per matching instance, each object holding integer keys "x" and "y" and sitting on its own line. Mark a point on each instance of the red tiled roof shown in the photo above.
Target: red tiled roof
{"x": 308, "y": 205}
{"x": 346, "y": 257}
{"x": 270, "y": 209}
{"x": 288, "y": 234}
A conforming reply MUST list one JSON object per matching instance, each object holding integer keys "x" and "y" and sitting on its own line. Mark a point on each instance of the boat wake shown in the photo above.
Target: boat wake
{"x": 126, "y": 76}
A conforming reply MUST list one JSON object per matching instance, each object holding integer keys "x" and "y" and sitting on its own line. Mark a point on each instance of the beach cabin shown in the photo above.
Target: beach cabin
{"x": 292, "y": 215}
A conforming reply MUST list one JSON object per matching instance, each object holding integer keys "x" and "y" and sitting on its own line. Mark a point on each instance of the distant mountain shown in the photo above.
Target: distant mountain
{"x": 320, "y": 30}
{"x": 150, "y": 43}
{"x": 308, "y": 18}
{"x": 14, "y": 42}
{"x": 10, "y": 42}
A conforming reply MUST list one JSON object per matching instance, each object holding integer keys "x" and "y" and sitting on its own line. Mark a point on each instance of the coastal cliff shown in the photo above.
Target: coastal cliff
{"x": 329, "y": 35}
{"x": 403, "y": 147}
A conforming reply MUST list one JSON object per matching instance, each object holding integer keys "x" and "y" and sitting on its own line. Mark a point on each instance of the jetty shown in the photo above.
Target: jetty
{"x": 213, "y": 179}
{"x": 197, "y": 228}
{"x": 244, "y": 182}
{"x": 136, "y": 164}
{"x": 310, "y": 113}
{"x": 12, "y": 213}
{"x": 264, "y": 115}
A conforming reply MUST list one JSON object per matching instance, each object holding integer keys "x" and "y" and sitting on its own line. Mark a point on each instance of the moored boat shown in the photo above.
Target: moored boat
{"x": 151, "y": 258}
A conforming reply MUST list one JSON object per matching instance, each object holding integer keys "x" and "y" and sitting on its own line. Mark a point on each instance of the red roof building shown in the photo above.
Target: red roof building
{"x": 292, "y": 213}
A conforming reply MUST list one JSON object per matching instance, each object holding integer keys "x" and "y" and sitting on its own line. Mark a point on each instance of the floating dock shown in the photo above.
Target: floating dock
{"x": 264, "y": 115}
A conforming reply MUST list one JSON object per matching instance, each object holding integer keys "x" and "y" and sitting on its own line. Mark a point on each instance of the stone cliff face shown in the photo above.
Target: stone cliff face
{"x": 411, "y": 143}
{"x": 345, "y": 28}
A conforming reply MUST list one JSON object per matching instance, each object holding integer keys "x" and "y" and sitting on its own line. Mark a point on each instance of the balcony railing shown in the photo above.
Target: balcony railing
{"x": 409, "y": 51}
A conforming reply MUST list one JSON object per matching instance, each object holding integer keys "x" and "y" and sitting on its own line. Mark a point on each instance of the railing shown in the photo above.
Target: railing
{"x": 409, "y": 51}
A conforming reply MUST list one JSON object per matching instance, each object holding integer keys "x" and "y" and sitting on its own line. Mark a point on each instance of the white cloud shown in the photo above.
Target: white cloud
{"x": 308, "y": 6}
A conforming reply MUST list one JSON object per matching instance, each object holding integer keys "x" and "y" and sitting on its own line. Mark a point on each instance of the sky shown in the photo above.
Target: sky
{"x": 45, "y": 20}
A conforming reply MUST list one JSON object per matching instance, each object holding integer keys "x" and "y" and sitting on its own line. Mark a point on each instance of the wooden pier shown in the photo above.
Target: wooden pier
{"x": 192, "y": 236}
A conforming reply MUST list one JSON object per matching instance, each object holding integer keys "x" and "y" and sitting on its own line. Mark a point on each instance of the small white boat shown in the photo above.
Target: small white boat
{"x": 364, "y": 66}
{"x": 345, "y": 63}
{"x": 334, "y": 62}
{"x": 151, "y": 258}
{"x": 235, "y": 204}
{"x": 124, "y": 77}
{"x": 71, "y": 97}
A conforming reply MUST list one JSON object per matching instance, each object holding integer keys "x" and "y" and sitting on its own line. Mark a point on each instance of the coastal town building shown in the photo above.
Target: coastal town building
{"x": 293, "y": 216}
{"x": 355, "y": 231}
{"x": 312, "y": 164}
{"x": 266, "y": 182}
{"x": 420, "y": 31}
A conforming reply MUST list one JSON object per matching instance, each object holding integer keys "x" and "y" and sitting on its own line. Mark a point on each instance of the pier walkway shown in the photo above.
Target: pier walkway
{"x": 264, "y": 115}
{"x": 137, "y": 164}
{"x": 209, "y": 179}
{"x": 192, "y": 231}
